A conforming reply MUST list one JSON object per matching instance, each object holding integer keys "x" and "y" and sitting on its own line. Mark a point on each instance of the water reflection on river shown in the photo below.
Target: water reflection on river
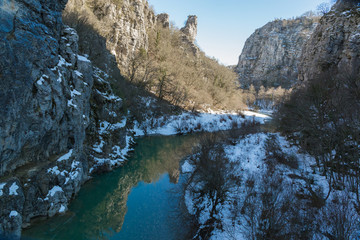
{"x": 137, "y": 201}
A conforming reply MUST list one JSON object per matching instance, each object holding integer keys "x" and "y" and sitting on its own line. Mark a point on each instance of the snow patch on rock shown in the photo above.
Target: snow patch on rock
{"x": 54, "y": 190}
{"x": 13, "y": 189}
{"x": 13, "y": 214}
{"x": 65, "y": 156}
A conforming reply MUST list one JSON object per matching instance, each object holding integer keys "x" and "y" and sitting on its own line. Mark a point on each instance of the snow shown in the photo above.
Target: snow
{"x": 2, "y": 185}
{"x": 118, "y": 155}
{"x": 41, "y": 81}
{"x": 62, "y": 209}
{"x": 187, "y": 167}
{"x": 105, "y": 126}
{"x": 13, "y": 213}
{"x": 55, "y": 170}
{"x": 99, "y": 73}
{"x": 79, "y": 74}
{"x": 65, "y": 156}
{"x": 13, "y": 189}
{"x": 109, "y": 97}
{"x": 71, "y": 104}
{"x": 83, "y": 58}
{"x": 112, "y": 114}
{"x": 59, "y": 78}
{"x": 75, "y": 93}
{"x": 54, "y": 190}
{"x": 257, "y": 115}
{"x": 75, "y": 164}
{"x": 250, "y": 154}
{"x": 63, "y": 62}
{"x": 210, "y": 121}
{"x": 98, "y": 147}
{"x": 74, "y": 174}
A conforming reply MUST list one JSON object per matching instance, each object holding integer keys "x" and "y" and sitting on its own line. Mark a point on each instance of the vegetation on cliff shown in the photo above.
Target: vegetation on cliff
{"x": 173, "y": 71}
{"x": 152, "y": 55}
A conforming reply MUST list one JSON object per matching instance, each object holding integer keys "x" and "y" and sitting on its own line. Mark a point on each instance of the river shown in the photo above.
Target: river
{"x": 140, "y": 200}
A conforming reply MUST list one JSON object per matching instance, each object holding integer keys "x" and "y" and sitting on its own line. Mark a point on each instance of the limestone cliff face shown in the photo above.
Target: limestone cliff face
{"x": 117, "y": 27}
{"x": 271, "y": 54}
{"x": 55, "y": 105}
{"x": 37, "y": 83}
{"x": 335, "y": 43}
{"x": 45, "y": 90}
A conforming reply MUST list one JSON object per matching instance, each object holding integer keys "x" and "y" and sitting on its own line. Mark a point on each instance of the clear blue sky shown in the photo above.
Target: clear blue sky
{"x": 224, "y": 25}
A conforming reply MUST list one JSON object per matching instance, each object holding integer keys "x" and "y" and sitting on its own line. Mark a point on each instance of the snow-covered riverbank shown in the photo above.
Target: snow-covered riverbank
{"x": 281, "y": 192}
{"x": 187, "y": 122}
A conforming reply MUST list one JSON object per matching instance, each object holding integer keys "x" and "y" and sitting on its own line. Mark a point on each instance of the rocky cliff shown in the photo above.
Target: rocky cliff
{"x": 57, "y": 110}
{"x": 45, "y": 90}
{"x": 271, "y": 54}
{"x": 117, "y": 27}
{"x": 335, "y": 43}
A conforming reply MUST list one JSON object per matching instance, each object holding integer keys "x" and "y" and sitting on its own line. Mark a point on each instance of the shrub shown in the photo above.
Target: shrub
{"x": 338, "y": 219}
{"x": 210, "y": 183}
{"x": 274, "y": 152}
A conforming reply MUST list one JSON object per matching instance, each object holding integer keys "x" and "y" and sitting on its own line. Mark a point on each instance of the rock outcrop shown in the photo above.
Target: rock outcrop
{"x": 190, "y": 28}
{"x": 117, "y": 28}
{"x": 271, "y": 54}
{"x": 189, "y": 32}
{"x": 335, "y": 43}
{"x": 163, "y": 19}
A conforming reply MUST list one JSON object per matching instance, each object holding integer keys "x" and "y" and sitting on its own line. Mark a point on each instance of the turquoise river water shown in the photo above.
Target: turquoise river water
{"x": 140, "y": 200}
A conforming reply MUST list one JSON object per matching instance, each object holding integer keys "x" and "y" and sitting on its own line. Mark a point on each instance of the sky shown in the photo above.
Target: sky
{"x": 224, "y": 25}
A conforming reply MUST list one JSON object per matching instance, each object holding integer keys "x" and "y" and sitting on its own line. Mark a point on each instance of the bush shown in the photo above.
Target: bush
{"x": 323, "y": 117}
{"x": 274, "y": 152}
{"x": 210, "y": 183}
{"x": 338, "y": 219}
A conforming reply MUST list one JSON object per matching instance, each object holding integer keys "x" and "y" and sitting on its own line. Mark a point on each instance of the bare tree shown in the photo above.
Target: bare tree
{"x": 338, "y": 220}
{"x": 210, "y": 184}
{"x": 325, "y": 7}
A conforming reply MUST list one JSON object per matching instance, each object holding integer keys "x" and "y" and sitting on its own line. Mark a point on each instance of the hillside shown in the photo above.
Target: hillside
{"x": 151, "y": 54}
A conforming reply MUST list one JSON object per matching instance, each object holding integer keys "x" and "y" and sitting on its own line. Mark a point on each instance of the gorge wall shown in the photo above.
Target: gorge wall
{"x": 271, "y": 54}
{"x": 45, "y": 90}
{"x": 55, "y": 107}
{"x": 335, "y": 43}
